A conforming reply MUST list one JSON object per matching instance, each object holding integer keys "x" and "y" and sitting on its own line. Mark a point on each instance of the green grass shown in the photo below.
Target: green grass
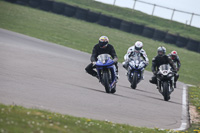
{"x": 82, "y": 35}
{"x": 17, "y": 119}
{"x": 138, "y": 17}
{"x": 22, "y": 120}
{"x": 194, "y": 98}
{"x": 79, "y": 35}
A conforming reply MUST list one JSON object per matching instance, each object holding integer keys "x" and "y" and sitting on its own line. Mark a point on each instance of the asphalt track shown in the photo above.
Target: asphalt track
{"x": 39, "y": 74}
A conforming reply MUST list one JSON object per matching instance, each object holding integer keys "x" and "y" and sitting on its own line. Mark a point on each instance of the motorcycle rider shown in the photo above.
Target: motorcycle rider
{"x": 175, "y": 58}
{"x": 103, "y": 47}
{"x": 159, "y": 60}
{"x": 137, "y": 49}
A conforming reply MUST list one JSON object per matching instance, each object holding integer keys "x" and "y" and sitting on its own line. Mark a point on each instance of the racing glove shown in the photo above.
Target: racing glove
{"x": 115, "y": 60}
{"x": 94, "y": 63}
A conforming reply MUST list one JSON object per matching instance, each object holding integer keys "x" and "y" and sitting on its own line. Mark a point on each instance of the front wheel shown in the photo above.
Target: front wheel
{"x": 134, "y": 81}
{"x": 113, "y": 89}
{"x": 166, "y": 91}
{"x": 106, "y": 82}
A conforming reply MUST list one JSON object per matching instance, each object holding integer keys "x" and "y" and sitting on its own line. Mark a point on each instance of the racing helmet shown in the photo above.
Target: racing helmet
{"x": 103, "y": 41}
{"x": 161, "y": 51}
{"x": 138, "y": 45}
{"x": 173, "y": 54}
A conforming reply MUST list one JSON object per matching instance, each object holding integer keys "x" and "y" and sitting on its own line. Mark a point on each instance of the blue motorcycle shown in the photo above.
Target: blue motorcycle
{"x": 106, "y": 72}
{"x": 135, "y": 71}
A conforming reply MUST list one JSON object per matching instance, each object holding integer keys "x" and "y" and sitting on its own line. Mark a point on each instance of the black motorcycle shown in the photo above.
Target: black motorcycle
{"x": 165, "y": 81}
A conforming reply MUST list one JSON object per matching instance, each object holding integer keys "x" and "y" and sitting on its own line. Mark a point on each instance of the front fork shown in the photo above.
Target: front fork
{"x": 159, "y": 85}
{"x": 113, "y": 75}
{"x": 171, "y": 84}
{"x": 131, "y": 72}
{"x": 99, "y": 71}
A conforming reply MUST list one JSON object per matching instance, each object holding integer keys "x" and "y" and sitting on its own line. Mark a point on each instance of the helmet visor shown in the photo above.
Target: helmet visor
{"x": 103, "y": 44}
{"x": 136, "y": 48}
{"x": 160, "y": 53}
{"x": 173, "y": 57}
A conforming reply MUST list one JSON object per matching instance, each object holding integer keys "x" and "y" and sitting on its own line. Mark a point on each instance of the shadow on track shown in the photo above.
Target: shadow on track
{"x": 87, "y": 88}
{"x": 104, "y": 92}
{"x": 160, "y": 99}
{"x": 139, "y": 90}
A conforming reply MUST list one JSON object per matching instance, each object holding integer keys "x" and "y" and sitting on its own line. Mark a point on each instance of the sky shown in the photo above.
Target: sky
{"x": 192, "y": 6}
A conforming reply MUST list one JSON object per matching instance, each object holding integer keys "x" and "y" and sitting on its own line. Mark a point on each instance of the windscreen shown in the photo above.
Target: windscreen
{"x": 103, "y": 57}
{"x": 164, "y": 67}
{"x": 135, "y": 57}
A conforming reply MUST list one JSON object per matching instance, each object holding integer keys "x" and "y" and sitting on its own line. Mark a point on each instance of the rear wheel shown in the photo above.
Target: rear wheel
{"x": 166, "y": 91}
{"x": 106, "y": 81}
{"x": 134, "y": 81}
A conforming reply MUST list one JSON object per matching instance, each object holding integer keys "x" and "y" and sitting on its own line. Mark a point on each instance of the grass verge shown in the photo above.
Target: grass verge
{"x": 138, "y": 17}
{"x": 17, "y": 119}
{"x": 194, "y": 98}
{"x": 22, "y": 120}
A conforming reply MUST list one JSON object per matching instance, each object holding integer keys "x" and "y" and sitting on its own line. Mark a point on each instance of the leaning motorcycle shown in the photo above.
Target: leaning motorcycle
{"x": 165, "y": 81}
{"x": 106, "y": 71}
{"x": 135, "y": 69}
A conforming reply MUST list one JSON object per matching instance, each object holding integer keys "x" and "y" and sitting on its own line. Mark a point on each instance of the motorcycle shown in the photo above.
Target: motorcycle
{"x": 165, "y": 81}
{"x": 106, "y": 71}
{"x": 135, "y": 69}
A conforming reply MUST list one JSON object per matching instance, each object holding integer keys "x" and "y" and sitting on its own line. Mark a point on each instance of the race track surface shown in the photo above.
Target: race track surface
{"x": 39, "y": 74}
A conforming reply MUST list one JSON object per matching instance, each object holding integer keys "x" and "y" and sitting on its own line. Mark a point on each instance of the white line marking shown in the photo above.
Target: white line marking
{"x": 185, "y": 111}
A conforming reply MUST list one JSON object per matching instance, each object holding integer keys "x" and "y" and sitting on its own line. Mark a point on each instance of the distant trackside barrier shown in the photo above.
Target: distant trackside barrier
{"x": 112, "y": 22}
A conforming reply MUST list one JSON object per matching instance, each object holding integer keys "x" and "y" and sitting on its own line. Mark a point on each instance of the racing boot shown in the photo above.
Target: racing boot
{"x": 174, "y": 84}
{"x": 117, "y": 75}
{"x": 142, "y": 75}
{"x": 125, "y": 65}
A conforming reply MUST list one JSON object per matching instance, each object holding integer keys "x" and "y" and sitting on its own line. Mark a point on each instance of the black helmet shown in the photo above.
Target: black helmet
{"x": 103, "y": 41}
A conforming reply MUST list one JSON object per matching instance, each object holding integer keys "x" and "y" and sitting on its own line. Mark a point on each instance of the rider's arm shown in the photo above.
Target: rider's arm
{"x": 94, "y": 55}
{"x": 113, "y": 54}
{"x": 144, "y": 56}
{"x": 171, "y": 63}
{"x": 126, "y": 56}
{"x": 153, "y": 67}
{"x": 129, "y": 51}
{"x": 178, "y": 63}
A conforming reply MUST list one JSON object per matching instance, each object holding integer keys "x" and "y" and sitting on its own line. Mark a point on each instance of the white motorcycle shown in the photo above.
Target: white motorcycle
{"x": 135, "y": 70}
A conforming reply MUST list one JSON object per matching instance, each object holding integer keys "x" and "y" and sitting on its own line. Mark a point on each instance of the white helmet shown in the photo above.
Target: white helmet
{"x": 174, "y": 55}
{"x": 161, "y": 51}
{"x": 138, "y": 45}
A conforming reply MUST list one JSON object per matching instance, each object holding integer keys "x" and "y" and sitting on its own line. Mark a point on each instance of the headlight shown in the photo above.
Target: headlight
{"x": 170, "y": 75}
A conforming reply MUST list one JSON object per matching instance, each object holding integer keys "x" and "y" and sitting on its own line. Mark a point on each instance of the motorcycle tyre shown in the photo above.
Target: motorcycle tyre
{"x": 134, "y": 81}
{"x": 166, "y": 91}
{"x": 106, "y": 81}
